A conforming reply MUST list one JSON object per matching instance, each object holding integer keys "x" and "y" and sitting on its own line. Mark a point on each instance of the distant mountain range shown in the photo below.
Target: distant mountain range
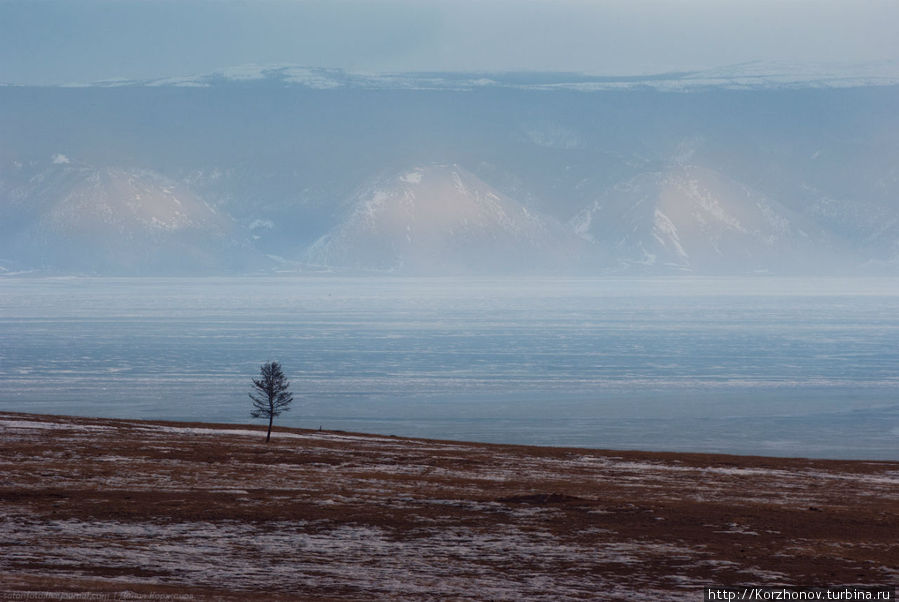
{"x": 739, "y": 171}
{"x": 756, "y": 74}
{"x": 692, "y": 218}
{"x": 443, "y": 218}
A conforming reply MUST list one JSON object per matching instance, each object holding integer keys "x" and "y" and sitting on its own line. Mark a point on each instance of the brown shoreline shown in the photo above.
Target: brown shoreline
{"x": 210, "y": 512}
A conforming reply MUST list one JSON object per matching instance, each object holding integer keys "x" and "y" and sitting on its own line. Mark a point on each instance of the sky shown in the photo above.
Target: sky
{"x": 72, "y": 41}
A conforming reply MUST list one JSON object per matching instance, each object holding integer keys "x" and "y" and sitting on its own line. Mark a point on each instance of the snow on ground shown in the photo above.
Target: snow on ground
{"x": 353, "y": 516}
{"x": 434, "y": 563}
{"x": 32, "y": 424}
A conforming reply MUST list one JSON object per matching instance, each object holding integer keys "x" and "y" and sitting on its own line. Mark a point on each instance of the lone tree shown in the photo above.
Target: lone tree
{"x": 270, "y": 395}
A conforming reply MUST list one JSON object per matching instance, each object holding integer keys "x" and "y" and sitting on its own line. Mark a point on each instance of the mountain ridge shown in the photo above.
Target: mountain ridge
{"x": 786, "y": 181}
{"x": 440, "y": 218}
{"x": 747, "y": 75}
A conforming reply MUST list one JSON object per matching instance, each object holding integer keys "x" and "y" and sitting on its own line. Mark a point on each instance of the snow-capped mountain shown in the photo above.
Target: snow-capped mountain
{"x": 691, "y": 218}
{"x": 273, "y": 169}
{"x": 115, "y": 220}
{"x": 442, "y": 219}
{"x": 750, "y": 75}
{"x": 127, "y": 202}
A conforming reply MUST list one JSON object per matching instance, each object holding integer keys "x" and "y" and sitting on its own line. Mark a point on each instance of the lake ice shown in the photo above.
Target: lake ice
{"x": 762, "y": 365}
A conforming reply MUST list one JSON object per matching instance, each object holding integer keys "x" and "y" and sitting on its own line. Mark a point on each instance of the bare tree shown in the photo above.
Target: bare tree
{"x": 270, "y": 394}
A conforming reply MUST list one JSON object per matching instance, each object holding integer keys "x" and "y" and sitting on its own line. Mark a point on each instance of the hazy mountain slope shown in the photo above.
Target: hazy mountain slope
{"x": 281, "y": 159}
{"x": 116, "y": 220}
{"x": 692, "y": 218}
{"x": 442, "y": 219}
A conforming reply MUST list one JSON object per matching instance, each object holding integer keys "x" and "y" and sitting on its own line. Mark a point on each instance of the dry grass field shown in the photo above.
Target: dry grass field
{"x": 123, "y": 509}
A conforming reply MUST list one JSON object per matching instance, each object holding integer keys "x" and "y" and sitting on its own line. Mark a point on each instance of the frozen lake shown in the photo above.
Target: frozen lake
{"x": 761, "y": 366}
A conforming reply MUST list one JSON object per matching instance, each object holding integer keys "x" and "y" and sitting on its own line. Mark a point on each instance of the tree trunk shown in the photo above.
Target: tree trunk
{"x": 269, "y": 435}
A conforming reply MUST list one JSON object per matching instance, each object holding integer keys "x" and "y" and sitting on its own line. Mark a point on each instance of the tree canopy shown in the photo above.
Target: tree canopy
{"x": 270, "y": 394}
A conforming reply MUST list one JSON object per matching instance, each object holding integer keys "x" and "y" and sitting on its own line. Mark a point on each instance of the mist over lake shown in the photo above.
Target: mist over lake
{"x": 769, "y": 366}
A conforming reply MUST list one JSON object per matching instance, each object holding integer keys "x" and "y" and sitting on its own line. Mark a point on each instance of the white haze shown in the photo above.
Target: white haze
{"x": 760, "y": 366}
{"x": 56, "y": 41}
{"x": 556, "y": 222}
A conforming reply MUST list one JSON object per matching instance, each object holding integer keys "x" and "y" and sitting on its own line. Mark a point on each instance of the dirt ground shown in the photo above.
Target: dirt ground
{"x": 122, "y": 509}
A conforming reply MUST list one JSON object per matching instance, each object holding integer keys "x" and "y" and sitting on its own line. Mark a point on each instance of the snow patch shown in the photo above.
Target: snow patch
{"x": 413, "y": 177}
{"x": 261, "y": 223}
{"x": 210, "y": 431}
{"x": 30, "y": 424}
{"x": 664, "y": 231}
